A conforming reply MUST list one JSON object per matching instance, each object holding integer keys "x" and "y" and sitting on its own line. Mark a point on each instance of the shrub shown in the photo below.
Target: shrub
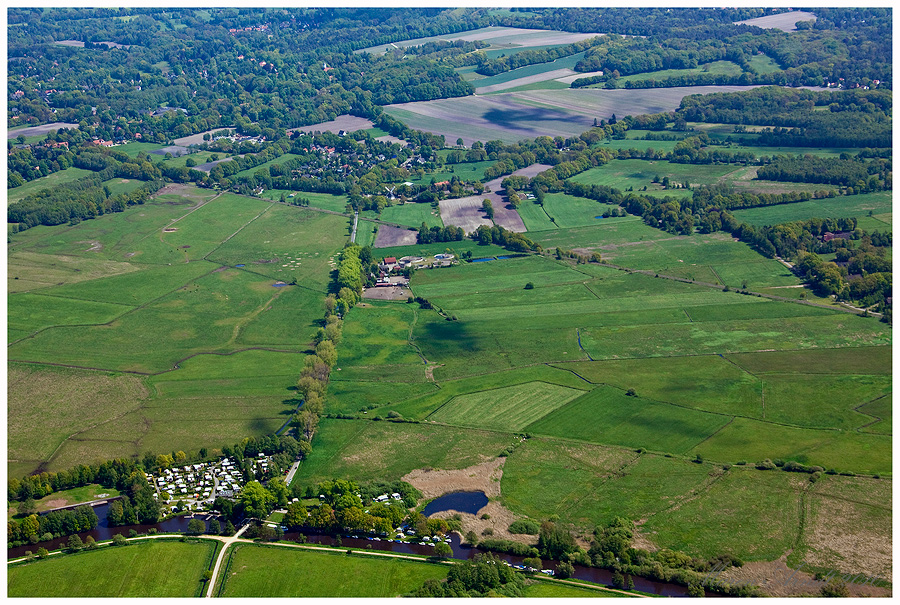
{"x": 766, "y": 465}
{"x": 564, "y": 570}
{"x": 835, "y": 588}
{"x": 525, "y": 526}
{"x": 485, "y": 516}
{"x": 488, "y": 531}
{"x": 529, "y": 286}
{"x": 119, "y": 540}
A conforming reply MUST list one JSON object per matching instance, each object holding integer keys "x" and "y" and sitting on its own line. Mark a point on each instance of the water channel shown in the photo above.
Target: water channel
{"x": 459, "y": 501}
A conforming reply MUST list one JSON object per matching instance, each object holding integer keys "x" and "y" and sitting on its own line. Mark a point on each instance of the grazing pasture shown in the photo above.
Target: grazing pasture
{"x": 47, "y": 406}
{"x": 272, "y": 571}
{"x": 149, "y": 568}
{"x": 753, "y": 440}
{"x": 362, "y": 449}
{"x": 590, "y": 485}
{"x": 750, "y": 514}
{"x": 608, "y": 415}
{"x": 412, "y": 215}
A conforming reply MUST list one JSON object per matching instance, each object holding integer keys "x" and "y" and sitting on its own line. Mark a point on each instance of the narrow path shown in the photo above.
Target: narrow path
{"x": 228, "y": 542}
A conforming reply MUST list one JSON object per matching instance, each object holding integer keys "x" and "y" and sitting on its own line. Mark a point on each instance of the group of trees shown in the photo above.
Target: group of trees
{"x": 862, "y": 175}
{"x": 483, "y": 576}
{"x": 37, "y": 528}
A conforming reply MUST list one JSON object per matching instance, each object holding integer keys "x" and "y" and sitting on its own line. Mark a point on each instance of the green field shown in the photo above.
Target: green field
{"x": 715, "y": 68}
{"x": 265, "y": 165}
{"x": 75, "y": 495}
{"x": 269, "y": 571}
{"x": 607, "y": 415}
{"x": 366, "y": 232}
{"x": 637, "y": 174}
{"x": 412, "y": 215}
{"x": 323, "y": 201}
{"x": 151, "y": 568}
{"x": 563, "y": 211}
{"x": 46, "y": 182}
{"x": 505, "y": 409}
{"x": 362, "y": 449}
{"x": 750, "y": 514}
{"x": 859, "y": 206}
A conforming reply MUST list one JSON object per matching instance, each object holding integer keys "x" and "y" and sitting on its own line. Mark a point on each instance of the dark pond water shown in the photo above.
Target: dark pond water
{"x": 481, "y": 260}
{"x": 463, "y": 502}
{"x": 240, "y": 265}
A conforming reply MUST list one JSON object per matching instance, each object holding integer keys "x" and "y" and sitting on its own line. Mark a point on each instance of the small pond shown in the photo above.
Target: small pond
{"x": 463, "y": 502}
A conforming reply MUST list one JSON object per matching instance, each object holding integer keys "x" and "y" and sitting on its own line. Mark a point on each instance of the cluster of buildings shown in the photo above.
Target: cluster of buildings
{"x": 204, "y": 481}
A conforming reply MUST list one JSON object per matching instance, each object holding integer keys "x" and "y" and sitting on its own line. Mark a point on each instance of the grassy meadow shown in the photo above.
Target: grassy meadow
{"x": 150, "y": 302}
{"x": 271, "y": 571}
{"x": 150, "y": 568}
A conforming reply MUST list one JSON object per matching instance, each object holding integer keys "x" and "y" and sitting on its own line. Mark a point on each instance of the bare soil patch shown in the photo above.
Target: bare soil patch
{"x": 394, "y": 236}
{"x": 542, "y": 77}
{"x": 32, "y": 131}
{"x": 387, "y": 293}
{"x": 464, "y": 212}
{"x": 345, "y": 122}
{"x": 175, "y": 150}
{"x": 484, "y": 476}
{"x": 776, "y": 579}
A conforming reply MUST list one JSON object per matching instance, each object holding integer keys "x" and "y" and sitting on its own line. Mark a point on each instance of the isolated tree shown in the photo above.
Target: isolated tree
{"x": 215, "y": 528}
{"x": 229, "y": 529}
{"x": 443, "y": 550}
{"x": 196, "y": 527}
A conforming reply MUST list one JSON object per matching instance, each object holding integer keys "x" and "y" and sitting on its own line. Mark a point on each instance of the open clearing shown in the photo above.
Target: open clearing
{"x": 149, "y": 568}
{"x": 344, "y": 122}
{"x": 785, "y": 21}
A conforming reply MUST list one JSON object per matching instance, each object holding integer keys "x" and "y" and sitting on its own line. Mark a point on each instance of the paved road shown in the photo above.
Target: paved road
{"x": 290, "y": 475}
{"x": 227, "y": 542}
